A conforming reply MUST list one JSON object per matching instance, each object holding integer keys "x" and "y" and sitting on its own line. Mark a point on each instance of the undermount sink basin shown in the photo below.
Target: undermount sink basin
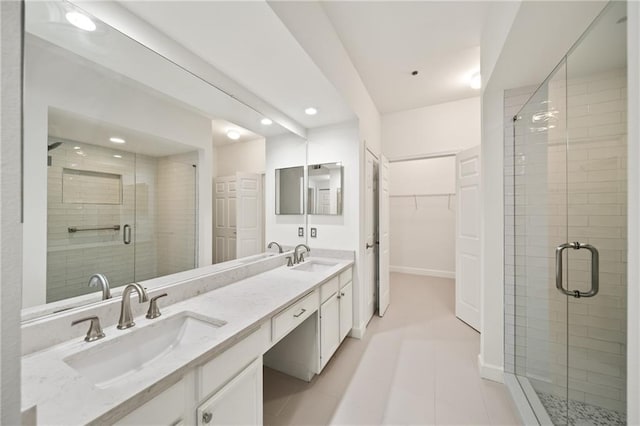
{"x": 314, "y": 265}
{"x": 109, "y": 363}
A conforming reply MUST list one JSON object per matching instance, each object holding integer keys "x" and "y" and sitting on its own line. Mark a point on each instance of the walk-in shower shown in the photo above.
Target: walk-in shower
{"x": 565, "y": 233}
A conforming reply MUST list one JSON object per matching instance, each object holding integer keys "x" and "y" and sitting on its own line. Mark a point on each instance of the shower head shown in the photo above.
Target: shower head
{"x": 53, "y": 146}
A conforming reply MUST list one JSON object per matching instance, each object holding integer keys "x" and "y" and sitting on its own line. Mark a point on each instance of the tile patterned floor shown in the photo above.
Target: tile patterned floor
{"x": 580, "y": 413}
{"x": 417, "y": 365}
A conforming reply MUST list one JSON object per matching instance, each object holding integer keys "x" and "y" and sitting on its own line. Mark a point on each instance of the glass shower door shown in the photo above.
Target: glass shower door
{"x": 540, "y": 225}
{"x": 569, "y": 233}
{"x": 91, "y": 212}
{"x": 597, "y": 204}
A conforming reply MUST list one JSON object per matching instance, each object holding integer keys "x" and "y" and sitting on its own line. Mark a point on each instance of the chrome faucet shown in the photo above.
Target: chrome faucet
{"x": 272, "y": 243}
{"x": 126, "y": 317}
{"x": 297, "y": 258}
{"x": 101, "y": 279}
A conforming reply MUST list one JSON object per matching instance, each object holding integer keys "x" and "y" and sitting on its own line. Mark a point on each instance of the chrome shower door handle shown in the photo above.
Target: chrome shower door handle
{"x": 595, "y": 269}
{"x": 126, "y": 234}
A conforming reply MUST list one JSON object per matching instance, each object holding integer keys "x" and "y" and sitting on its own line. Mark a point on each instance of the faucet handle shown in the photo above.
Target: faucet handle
{"x": 154, "y": 311}
{"x": 301, "y": 257}
{"x": 290, "y": 260}
{"x": 95, "y": 331}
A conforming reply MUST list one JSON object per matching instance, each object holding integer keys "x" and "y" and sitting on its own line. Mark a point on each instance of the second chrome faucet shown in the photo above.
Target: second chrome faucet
{"x": 126, "y": 316}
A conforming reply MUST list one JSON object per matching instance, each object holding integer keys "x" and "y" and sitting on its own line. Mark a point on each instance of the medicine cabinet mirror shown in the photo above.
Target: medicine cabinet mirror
{"x": 290, "y": 191}
{"x": 324, "y": 190}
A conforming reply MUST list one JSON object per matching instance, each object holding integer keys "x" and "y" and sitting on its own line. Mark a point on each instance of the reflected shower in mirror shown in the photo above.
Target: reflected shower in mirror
{"x": 128, "y": 212}
{"x": 117, "y": 160}
{"x": 290, "y": 191}
{"x": 324, "y": 191}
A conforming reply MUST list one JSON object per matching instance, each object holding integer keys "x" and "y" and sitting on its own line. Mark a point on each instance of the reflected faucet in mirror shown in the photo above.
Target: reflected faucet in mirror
{"x": 273, "y": 243}
{"x": 101, "y": 279}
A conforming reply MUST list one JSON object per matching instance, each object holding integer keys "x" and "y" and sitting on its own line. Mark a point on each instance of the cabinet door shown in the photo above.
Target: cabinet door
{"x": 238, "y": 403}
{"x": 329, "y": 329}
{"x": 168, "y": 408}
{"x": 346, "y": 310}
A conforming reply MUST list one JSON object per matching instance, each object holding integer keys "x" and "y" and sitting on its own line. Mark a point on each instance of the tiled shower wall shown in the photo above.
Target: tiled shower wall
{"x": 564, "y": 195}
{"x": 157, "y": 197}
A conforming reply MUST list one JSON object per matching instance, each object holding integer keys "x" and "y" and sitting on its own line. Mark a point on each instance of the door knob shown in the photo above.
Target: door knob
{"x": 207, "y": 417}
{"x": 369, "y": 246}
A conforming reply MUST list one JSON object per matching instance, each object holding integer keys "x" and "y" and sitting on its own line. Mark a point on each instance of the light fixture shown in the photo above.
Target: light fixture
{"x": 311, "y": 111}
{"x": 76, "y": 148}
{"x": 117, "y": 156}
{"x": 476, "y": 81}
{"x": 117, "y": 140}
{"x": 233, "y": 135}
{"x": 266, "y": 121}
{"x": 81, "y": 21}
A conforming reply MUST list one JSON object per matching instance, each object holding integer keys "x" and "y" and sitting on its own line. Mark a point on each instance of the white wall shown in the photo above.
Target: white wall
{"x": 246, "y": 157}
{"x": 422, "y": 229}
{"x": 451, "y": 126}
{"x": 51, "y": 80}
{"x": 281, "y": 152}
{"x": 10, "y": 206}
{"x": 337, "y": 144}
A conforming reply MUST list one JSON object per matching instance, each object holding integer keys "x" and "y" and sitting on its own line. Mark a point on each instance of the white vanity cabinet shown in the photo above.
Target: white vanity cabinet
{"x": 336, "y": 314}
{"x": 225, "y": 390}
{"x": 168, "y": 408}
{"x": 239, "y": 402}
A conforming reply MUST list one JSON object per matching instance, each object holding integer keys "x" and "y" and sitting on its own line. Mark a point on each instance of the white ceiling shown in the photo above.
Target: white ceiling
{"x": 387, "y": 40}
{"x": 75, "y": 127}
{"x": 249, "y": 43}
{"x": 219, "y": 129}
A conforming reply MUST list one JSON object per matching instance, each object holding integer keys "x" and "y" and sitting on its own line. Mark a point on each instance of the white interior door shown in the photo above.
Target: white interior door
{"x": 370, "y": 224}
{"x": 468, "y": 237}
{"x": 249, "y": 215}
{"x": 383, "y": 230}
{"x": 224, "y": 228}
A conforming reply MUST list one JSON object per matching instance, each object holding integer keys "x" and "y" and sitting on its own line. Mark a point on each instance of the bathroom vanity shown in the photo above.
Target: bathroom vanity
{"x": 201, "y": 361}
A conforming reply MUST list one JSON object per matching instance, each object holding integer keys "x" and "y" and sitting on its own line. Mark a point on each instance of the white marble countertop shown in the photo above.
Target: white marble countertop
{"x": 64, "y": 396}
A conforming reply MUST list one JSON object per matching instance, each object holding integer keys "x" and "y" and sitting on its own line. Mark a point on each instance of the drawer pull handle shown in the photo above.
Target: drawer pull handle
{"x": 300, "y": 313}
{"x": 207, "y": 417}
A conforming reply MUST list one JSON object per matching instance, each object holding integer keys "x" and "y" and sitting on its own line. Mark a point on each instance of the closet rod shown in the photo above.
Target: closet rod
{"x": 424, "y": 156}
{"x": 443, "y": 194}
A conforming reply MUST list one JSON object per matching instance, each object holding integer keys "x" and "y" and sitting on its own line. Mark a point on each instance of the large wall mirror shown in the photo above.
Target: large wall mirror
{"x": 118, "y": 159}
{"x": 324, "y": 189}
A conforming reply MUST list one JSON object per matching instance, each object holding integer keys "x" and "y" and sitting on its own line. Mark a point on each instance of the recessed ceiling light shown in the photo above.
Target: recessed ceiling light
{"x": 117, "y": 156}
{"x": 76, "y": 147}
{"x": 117, "y": 140}
{"x": 233, "y": 135}
{"x": 81, "y": 21}
{"x": 476, "y": 81}
{"x": 266, "y": 121}
{"x": 311, "y": 111}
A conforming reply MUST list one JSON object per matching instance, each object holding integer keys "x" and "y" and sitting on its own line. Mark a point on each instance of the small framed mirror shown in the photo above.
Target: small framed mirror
{"x": 290, "y": 190}
{"x": 324, "y": 192}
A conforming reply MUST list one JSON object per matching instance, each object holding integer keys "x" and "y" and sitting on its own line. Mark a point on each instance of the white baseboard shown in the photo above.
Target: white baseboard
{"x": 489, "y": 371}
{"x": 357, "y": 332}
{"x": 422, "y": 271}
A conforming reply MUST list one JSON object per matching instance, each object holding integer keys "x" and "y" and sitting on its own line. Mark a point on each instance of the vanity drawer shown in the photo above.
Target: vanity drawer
{"x": 346, "y": 277}
{"x": 217, "y": 372}
{"x": 328, "y": 289}
{"x": 293, "y": 316}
